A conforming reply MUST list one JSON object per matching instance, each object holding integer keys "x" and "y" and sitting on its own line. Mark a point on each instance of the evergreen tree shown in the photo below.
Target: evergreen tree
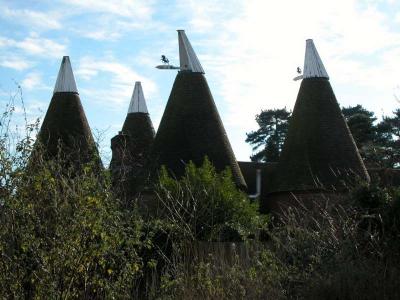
{"x": 388, "y": 137}
{"x": 270, "y": 136}
{"x": 361, "y": 124}
{"x": 379, "y": 143}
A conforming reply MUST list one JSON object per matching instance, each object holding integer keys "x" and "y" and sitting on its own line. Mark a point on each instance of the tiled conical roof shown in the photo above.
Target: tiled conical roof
{"x": 65, "y": 79}
{"x": 131, "y": 147}
{"x": 138, "y": 103}
{"x": 138, "y": 124}
{"x": 191, "y": 127}
{"x": 65, "y": 124}
{"x": 313, "y": 66}
{"x": 187, "y": 56}
{"x": 319, "y": 151}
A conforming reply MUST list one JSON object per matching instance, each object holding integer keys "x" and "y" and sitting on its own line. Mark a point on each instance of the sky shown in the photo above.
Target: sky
{"x": 249, "y": 49}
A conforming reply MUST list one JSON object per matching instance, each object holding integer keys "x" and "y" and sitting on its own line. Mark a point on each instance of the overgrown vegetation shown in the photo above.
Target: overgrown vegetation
{"x": 62, "y": 233}
{"x": 206, "y": 205}
{"x": 347, "y": 251}
{"x": 66, "y": 235}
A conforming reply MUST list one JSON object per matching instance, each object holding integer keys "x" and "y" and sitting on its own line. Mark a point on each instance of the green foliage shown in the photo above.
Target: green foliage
{"x": 339, "y": 252}
{"x": 378, "y": 143}
{"x": 207, "y": 205}
{"x": 213, "y": 277}
{"x": 380, "y": 206}
{"x": 62, "y": 233}
{"x": 328, "y": 252}
{"x": 389, "y": 138}
{"x": 66, "y": 237}
{"x": 270, "y": 136}
{"x": 371, "y": 197}
{"x": 361, "y": 124}
{"x": 393, "y": 215}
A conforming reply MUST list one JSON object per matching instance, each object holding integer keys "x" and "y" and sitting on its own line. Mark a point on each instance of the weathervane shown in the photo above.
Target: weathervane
{"x": 166, "y": 65}
{"x": 164, "y": 59}
{"x": 188, "y": 61}
{"x": 298, "y": 77}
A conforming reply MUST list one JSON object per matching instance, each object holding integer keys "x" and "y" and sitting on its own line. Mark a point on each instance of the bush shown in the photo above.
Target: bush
{"x": 340, "y": 252}
{"x": 206, "y": 205}
{"x": 62, "y": 233}
{"x": 261, "y": 277}
{"x": 380, "y": 204}
{"x": 371, "y": 197}
{"x": 201, "y": 214}
{"x": 65, "y": 236}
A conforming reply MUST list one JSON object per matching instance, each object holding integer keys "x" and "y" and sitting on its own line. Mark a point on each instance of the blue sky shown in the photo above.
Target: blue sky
{"x": 249, "y": 50}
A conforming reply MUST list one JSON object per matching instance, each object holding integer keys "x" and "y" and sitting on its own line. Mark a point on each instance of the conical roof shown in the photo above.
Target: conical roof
{"x": 191, "y": 127}
{"x": 138, "y": 124}
{"x": 319, "y": 151}
{"x": 187, "y": 57}
{"x": 65, "y": 124}
{"x": 131, "y": 147}
{"x": 65, "y": 79}
{"x": 138, "y": 103}
{"x": 313, "y": 66}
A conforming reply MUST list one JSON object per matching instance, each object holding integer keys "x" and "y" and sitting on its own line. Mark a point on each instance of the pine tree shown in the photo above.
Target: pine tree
{"x": 270, "y": 136}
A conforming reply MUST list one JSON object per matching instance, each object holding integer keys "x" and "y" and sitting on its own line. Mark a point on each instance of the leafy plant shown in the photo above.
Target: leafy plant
{"x": 207, "y": 205}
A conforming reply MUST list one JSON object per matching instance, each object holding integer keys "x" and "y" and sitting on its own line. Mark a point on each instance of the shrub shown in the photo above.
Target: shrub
{"x": 65, "y": 236}
{"x": 370, "y": 197}
{"x": 340, "y": 252}
{"x": 261, "y": 277}
{"x": 62, "y": 233}
{"x": 206, "y": 205}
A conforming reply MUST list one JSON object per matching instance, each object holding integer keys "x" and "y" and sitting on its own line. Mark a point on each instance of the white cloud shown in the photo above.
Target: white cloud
{"x": 100, "y": 34}
{"x": 34, "y": 81}
{"x": 208, "y": 15}
{"x": 120, "y": 78}
{"x": 125, "y": 8}
{"x": 15, "y": 62}
{"x": 35, "y": 45}
{"x": 112, "y": 27}
{"x": 31, "y": 18}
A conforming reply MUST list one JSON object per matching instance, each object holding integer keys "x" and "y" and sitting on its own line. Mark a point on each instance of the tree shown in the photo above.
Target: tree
{"x": 270, "y": 136}
{"x": 361, "y": 124}
{"x": 378, "y": 143}
{"x": 392, "y": 125}
{"x": 388, "y": 136}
